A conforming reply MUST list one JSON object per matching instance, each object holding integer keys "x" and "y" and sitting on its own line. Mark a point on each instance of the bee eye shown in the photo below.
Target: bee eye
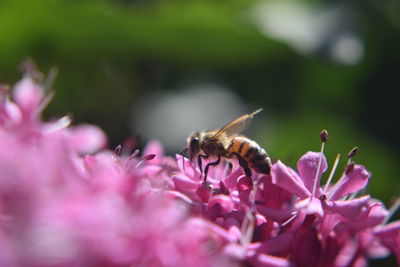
{"x": 194, "y": 141}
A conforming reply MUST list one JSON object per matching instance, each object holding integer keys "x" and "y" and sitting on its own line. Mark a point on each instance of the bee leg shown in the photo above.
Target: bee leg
{"x": 200, "y": 163}
{"x": 230, "y": 166}
{"x": 215, "y": 163}
{"x": 244, "y": 165}
{"x": 183, "y": 154}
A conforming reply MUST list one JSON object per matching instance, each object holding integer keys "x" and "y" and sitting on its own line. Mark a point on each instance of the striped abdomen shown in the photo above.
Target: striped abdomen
{"x": 252, "y": 153}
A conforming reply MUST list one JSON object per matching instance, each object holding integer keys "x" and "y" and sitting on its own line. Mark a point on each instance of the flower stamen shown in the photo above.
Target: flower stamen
{"x": 351, "y": 154}
{"x": 335, "y": 163}
{"x": 247, "y": 228}
{"x": 289, "y": 220}
{"x": 134, "y": 154}
{"x": 117, "y": 150}
{"x": 144, "y": 158}
{"x": 349, "y": 168}
{"x": 324, "y": 138}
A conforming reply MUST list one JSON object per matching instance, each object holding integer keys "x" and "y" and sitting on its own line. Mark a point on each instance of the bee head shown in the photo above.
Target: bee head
{"x": 193, "y": 145}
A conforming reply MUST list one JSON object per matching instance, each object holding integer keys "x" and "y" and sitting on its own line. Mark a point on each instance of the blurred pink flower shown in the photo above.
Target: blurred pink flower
{"x": 66, "y": 200}
{"x": 389, "y": 235}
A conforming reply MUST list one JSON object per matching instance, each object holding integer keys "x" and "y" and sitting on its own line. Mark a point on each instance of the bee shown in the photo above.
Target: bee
{"x": 228, "y": 143}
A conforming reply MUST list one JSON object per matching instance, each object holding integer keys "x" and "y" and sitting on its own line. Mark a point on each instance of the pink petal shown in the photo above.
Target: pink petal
{"x": 280, "y": 244}
{"x": 329, "y": 221}
{"x": 272, "y": 195}
{"x": 212, "y": 227}
{"x": 178, "y": 195}
{"x": 370, "y": 217}
{"x": 349, "y": 208}
{"x": 244, "y": 186}
{"x": 90, "y": 163}
{"x": 182, "y": 182}
{"x": 12, "y": 112}
{"x": 313, "y": 207}
{"x": 154, "y": 147}
{"x": 283, "y": 177}
{"x": 350, "y": 183}
{"x": 58, "y": 125}
{"x": 389, "y": 231}
{"x": 235, "y": 233}
{"x": 371, "y": 244}
{"x": 223, "y": 201}
{"x": 187, "y": 167}
{"x": 389, "y": 235}
{"x": 346, "y": 254}
{"x": 219, "y": 205}
{"x": 360, "y": 261}
{"x": 297, "y": 222}
{"x": 231, "y": 180}
{"x": 87, "y": 138}
{"x": 260, "y": 219}
{"x": 235, "y": 251}
{"x": 277, "y": 215}
{"x": 151, "y": 171}
{"x": 203, "y": 192}
{"x": 264, "y": 260}
{"x": 307, "y": 248}
{"x": 307, "y": 167}
{"x": 28, "y": 95}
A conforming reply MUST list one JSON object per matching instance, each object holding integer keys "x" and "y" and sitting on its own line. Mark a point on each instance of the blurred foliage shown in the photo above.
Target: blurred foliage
{"x": 110, "y": 52}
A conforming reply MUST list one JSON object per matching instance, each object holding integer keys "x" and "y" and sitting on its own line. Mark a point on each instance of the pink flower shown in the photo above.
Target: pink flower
{"x": 389, "y": 236}
{"x": 58, "y": 207}
{"x": 67, "y": 200}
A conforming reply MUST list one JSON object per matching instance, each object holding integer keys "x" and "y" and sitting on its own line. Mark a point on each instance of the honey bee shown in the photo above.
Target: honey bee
{"x": 227, "y": 143}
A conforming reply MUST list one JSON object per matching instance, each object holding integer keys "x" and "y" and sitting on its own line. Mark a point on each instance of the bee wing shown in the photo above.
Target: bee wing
{"x": 236, "y": 126}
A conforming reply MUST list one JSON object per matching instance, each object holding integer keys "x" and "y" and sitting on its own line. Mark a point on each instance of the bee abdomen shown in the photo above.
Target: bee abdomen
{"x": 252, "y": 153}
{"x": 261, "y": 162}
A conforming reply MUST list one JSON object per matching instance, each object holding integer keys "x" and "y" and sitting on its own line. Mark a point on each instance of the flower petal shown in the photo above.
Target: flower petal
{"x": 277, "y": 215}
{"x": 182, "y": 182}
{"x": 12, "y": 112}
{"x": 178, "y": 195}
{"x": 272, "y": 195}
{"x": 389, "y": 236}
{"x": 203, "y": 192}
{"x": 154, "y": 147}
{"x": 244, "y": 186}
{"x": 219, "y": 205}
{"x": 28, "y": 95}
{"x": 307, "y": 167}
{"x": 313, "y": 207}
{"x": 389, "y": 231}
{"x": 350, "y": 183}
{"x": 307, "y": 248}
{"x": 280, "y": 244}
{"x": 264, "y": 260}
{"x": 349, "y": 208}
{"x": 347, "y": 253}
{"x": 283, "y": 177}
{"x": 231, "y": 179}
{"x": 370, "y": 217}
{"x": 187, "y": 167}
{"x": 235, "y": 251}
{"x": 87, "y": 138}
